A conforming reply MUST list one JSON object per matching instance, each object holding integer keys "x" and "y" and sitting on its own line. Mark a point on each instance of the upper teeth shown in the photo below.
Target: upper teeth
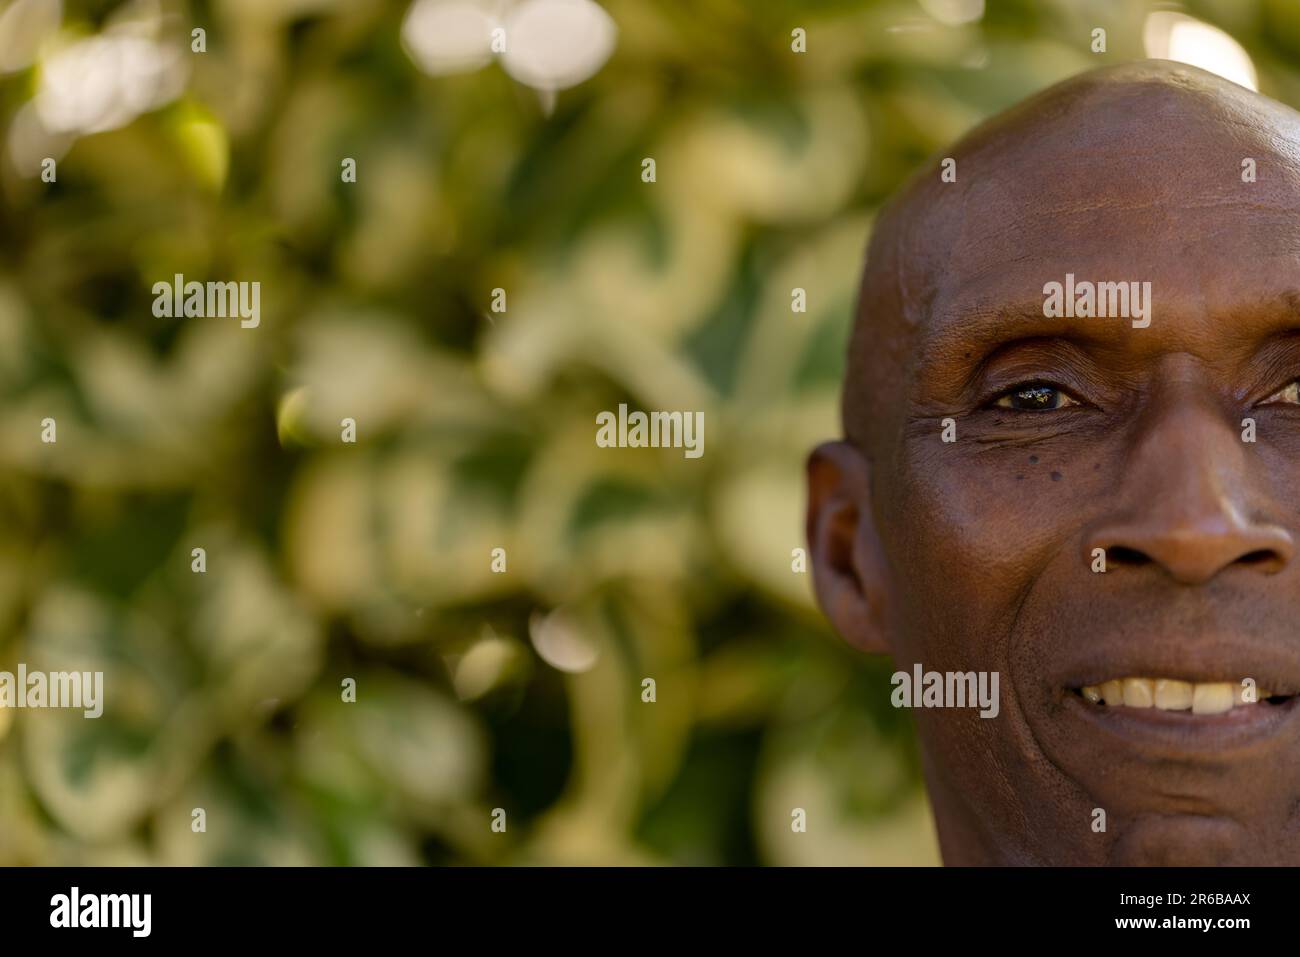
{"x": 1211, "y": 697}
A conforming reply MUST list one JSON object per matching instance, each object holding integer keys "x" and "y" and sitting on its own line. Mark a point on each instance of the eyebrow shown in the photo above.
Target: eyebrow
{"x": 977, "y": 331}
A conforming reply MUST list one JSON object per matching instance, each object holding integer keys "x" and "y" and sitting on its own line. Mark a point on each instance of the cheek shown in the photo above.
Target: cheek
{"x": 968, "y": 540}
{"x": 969, "y": 530}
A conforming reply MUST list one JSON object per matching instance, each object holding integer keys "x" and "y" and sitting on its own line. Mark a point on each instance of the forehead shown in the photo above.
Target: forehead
{"x": 1146, "y": 195}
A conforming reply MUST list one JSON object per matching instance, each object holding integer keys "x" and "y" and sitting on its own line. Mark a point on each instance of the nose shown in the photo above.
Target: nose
{"x": 1187, "y": 508}
{"x": 1194, "y": 548}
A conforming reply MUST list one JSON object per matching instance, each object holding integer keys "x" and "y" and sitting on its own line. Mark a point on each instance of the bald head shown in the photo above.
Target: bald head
{"x": 1115, "y": 159}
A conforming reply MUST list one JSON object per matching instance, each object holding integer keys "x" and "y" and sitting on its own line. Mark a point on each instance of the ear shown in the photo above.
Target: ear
{"x": 849, "y": 571}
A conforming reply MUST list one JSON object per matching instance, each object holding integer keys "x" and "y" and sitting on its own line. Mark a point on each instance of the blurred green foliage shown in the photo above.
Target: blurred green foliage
{"x": 325, "y": 561}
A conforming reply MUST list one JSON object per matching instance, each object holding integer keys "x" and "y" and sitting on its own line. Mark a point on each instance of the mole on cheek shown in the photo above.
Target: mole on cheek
{"x": 1056, "y": 476}
{"x": 1033, "y": 460}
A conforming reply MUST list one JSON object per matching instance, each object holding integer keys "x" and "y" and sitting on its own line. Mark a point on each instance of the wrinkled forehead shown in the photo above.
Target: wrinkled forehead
{"x": 1198, "y": 194}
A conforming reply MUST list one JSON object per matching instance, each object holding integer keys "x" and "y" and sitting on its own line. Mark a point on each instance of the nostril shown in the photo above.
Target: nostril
{"x": 1259, "y": 556}
{"x": 1123, "y": 555}
{"x": 1263, "y": 558}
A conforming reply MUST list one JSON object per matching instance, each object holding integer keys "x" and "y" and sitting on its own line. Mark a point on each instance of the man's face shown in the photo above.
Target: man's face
{"x": 1075, "y": 435}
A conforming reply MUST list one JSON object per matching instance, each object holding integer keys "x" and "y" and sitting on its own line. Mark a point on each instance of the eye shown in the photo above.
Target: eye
{"x": 1289, "y": 394}
{"x": 1035, "y": 397}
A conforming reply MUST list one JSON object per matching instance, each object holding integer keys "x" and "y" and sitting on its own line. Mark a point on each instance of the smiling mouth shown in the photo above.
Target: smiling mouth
{"x": 1184, "y": 720}
{"x": 1169, "y": 694}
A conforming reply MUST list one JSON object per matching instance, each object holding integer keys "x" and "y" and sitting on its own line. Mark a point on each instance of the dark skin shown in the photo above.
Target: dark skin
{"x": 976, "y": 555}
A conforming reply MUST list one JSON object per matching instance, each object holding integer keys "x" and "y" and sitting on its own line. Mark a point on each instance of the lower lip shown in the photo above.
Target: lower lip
{"x": 1183, "y": 731}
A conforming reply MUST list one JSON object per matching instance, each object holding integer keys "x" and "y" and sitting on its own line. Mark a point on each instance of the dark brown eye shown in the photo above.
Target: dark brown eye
{"x": 1035, "y": 397}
